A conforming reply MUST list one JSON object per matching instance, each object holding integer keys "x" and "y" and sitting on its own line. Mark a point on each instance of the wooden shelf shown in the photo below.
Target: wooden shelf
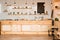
{"x": 22, "y": 8}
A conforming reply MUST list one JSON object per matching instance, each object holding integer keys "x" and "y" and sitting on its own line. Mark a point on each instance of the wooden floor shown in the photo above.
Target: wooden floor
{"x": 25, "y": 37}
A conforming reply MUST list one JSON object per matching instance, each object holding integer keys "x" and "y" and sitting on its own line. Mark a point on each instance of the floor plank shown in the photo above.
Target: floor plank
{"x": 25, "y": 37}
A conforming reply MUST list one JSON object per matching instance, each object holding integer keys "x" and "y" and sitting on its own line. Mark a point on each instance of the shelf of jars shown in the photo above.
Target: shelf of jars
{"x": 22, "y": 13}
{"x": 20, "y": 17}
{"x": 6, "y": 10}
{"x": 26, "y": 13}
{"x": 35, "y": 18}
{"x": 22, "y": 7}
{"x": 15, "y": 8}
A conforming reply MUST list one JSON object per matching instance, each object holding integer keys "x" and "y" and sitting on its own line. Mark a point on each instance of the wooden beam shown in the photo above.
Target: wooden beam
{"x": 0, "y": 28}
{"x": 56, "y": 0}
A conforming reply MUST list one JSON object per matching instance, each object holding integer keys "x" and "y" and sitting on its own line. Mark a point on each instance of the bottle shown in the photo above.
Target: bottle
{"x": 46, "y": 12}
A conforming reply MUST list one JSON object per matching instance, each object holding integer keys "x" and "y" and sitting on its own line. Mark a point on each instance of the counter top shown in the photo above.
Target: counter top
{"x": 27, "y": 22}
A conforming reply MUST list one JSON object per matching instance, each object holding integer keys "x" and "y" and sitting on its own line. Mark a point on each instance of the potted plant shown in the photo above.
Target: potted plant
{"x": 56, "y": 19}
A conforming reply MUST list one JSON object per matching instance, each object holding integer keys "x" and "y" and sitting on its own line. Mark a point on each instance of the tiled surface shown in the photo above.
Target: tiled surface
{"x": 24, "y": 37}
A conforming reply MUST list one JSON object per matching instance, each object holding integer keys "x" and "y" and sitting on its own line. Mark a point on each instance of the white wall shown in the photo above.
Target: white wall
{"x": 56, "y": 10}
{"x": 21, "y": 3}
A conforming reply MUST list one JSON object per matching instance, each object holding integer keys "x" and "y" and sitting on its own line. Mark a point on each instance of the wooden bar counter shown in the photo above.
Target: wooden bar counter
{"x": 25, "y": 27}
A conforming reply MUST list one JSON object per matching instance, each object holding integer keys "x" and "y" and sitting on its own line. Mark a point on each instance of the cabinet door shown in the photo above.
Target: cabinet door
{"x": 26, "y": 28}
{"x": 6, "y": 28}
{"x": 16, "y": 28}
{"x": 35, "y": 28}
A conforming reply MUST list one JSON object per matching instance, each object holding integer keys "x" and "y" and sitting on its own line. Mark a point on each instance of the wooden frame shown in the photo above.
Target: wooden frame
{"x": 0, "y": 28}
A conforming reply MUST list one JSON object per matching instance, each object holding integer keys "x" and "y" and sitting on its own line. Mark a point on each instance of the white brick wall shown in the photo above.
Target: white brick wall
{"x": 4, "y": 15}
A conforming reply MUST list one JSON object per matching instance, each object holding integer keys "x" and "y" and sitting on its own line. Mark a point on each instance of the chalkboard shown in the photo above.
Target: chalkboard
{"x": 40, "y": 7}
